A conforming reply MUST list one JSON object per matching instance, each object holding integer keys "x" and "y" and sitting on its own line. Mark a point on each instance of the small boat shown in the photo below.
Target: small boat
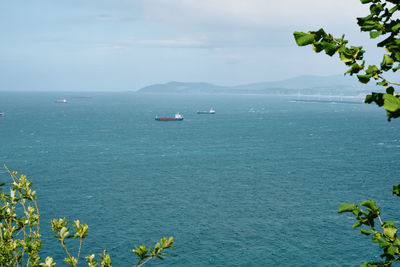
{"x": 1, "y": 114}
{"x": 178, "y": 117}
{"x": 61, "y": 101}
{"x": 211, "y": 111}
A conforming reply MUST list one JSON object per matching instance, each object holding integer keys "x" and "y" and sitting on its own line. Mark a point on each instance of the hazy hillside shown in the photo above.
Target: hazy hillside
{"x": 307, "y": 82}
{"x": 324, "y": 85}
{"x": 181, "y": 87}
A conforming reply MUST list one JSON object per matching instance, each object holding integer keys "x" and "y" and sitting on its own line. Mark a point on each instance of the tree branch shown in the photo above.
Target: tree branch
{"x": 65, "y": 247}
{"x": 386, "y": 80}
{"x": 143, "y": 263}
{"x": 79, "y": 251}
{"x": 379, "y": 217}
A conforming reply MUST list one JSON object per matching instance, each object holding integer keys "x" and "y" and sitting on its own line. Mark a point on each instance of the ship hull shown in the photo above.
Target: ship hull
{"x": 169, "y": 119}
{"x": 205, "y": 112}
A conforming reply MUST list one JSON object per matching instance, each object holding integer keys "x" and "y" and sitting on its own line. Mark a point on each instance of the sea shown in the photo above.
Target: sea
{"x": 258, "y": 183}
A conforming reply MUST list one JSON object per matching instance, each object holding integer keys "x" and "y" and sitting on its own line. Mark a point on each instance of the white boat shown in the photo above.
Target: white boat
{"x": 61, "y": 101}
{"x": 211, "y": 111}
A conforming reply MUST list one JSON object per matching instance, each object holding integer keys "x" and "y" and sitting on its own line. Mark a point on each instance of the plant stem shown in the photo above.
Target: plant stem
{"x": 62, "y": 243}
{"x": 23, "y": 250}
{"x": 143, "y": 263}
{"x": 386, "y": 80}
{"x": 79, "y": 251}
{"x": 379, "y": 217}
{"x": 38, "y": 221}
{"x": 151, "y": 257}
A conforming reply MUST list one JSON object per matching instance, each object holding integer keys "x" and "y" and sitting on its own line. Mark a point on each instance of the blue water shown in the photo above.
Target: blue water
{"x": 256, "y": 184}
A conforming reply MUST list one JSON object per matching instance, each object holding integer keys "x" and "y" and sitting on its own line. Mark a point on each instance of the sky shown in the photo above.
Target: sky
{"x": 121, "y": 45}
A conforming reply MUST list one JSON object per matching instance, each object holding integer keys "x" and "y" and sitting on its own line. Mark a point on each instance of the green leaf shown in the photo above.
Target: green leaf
{"x": 318, "y": 47}
{"x": 71, "y": 261}
{"x": 356, "y": 224}
{"x": 396, "y": 242}
{"x": 366, "y": 232}
{"x": 376, "y": 237}
{"x": 390, "y": 223}
{"x": 376, "y": 9}
{"x": 64, "y": 233}
{"x": 370, "y": 204}
{"x": 320, "y": 34}
{"x": 391, "y": 103}
{"x": 355, "y": 68}
{"x": 396, "y": 56}
{"x": 375, "y": 97}
{"x": 386, "y": 42}
{"x": 373, "y": 71}
{"x": 49, "y": 262}
{"x": 390, "y": 90}
{"x": 369, "y": 25}
{"x": 387, "y": 62}
{"x": 141, "y": 252}
{"x": 382, "y": 83}
{"x": 396, "y": 68}
{"x": 394, "y": 9}
{"x": 364, "y": 78}
{"x": 389, "y": 230}
{"x": 392, "y": 250}
{"x": 396, "y": 189}
{"x": 346, "y": 207}
{"x": 330, "y": 48}
{"x": 383, "y": 243}
{"x": 357, "y": 211}
{"x": 346, "y": 57}
{"x": 374, "y": 34}
{"x": 303, "y": 39}
{"x": 396, "y": 27}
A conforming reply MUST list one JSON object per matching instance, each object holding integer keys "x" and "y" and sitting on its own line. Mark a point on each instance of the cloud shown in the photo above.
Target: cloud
{"x": 109, "y": 17}
{"x": 170, "y": 43}
{"x": 251, "y": 22}
{"x": 228, "y": 58}
{"x": 181, "y": 42}
{"x": 262, "y": 13}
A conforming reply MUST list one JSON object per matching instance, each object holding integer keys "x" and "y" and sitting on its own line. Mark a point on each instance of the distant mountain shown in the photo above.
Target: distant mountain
{"x": 307, "y": 82}
{"x": 181, "y": 87}
{"x": 324, "y": 85}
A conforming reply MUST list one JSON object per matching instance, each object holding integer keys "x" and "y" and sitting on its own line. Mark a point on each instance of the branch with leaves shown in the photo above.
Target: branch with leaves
{"x": 19, "y": 223}
{"x": 366, "y": 213}
{"x": 20, "y": 239}
{"x": 62, "y": 231}
{"x": 145, "y": 254}
{"x": 381, "y": 22}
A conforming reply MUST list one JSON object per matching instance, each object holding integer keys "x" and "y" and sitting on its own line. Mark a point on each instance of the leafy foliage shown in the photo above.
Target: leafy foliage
{"x": 20, "y": 239}
{"x": 19, "y": 224}
{"x": 381, "y": 22}
{"x": 386, "y": 236}
{"x": 147, "y": 253}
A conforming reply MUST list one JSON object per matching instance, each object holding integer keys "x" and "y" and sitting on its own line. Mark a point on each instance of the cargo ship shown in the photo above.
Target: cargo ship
{"x": 178, "y": 117}
{"x": 61, "y": 101}
{"x": 211, "y": 111}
